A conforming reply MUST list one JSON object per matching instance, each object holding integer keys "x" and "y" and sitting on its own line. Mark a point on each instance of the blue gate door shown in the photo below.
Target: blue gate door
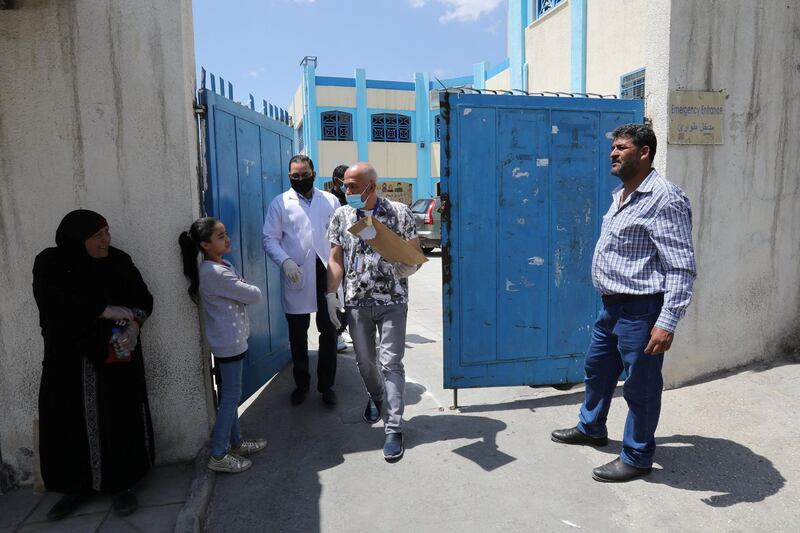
{"x": 525, "y": 183}
{"x": 246, "y": 156}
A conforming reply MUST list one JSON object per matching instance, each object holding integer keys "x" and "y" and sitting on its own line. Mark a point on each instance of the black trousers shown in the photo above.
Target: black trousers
{"x": 298, "y": 340}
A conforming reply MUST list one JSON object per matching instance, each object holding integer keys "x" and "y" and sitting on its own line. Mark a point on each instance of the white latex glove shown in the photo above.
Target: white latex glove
{"x": 292, "y": 271}
{"x": 129, "y": 337}
{"x": 116, "y": 312}
{"x": 403, "y": 270}
{"x": 333, "y": 306}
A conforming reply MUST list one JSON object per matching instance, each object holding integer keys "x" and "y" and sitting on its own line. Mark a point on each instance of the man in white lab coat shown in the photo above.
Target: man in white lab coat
{"x": 295, "y": 237}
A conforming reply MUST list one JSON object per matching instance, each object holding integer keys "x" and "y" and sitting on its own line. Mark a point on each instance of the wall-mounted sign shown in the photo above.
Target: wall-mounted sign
{"x": 399, "y": 191}
{"x": 696, "y": 117}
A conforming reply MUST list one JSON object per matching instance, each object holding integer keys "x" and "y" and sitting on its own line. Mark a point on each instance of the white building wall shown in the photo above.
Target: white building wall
{"x": 547, "y": 50}
{"x": 745, "y": 193}
{"x": 391, "y": 99}
{"x": 336, "y": 96}
{"x": 500, "y": 81}
{"x": 394, "y": 160}
{"x": 96, "y": 112}
{"x": 615, "y": 42}
{"x": 332, "y": 154}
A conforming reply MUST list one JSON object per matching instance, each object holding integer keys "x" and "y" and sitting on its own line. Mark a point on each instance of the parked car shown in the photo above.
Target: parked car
{"x": 429, "y": 222}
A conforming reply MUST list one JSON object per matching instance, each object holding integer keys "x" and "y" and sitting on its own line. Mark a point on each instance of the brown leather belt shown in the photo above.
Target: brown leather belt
{"x": 616, "y": 299}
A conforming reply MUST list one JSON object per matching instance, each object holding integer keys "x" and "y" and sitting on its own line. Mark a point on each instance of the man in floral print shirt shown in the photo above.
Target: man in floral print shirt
{"x": 375, "y": 298}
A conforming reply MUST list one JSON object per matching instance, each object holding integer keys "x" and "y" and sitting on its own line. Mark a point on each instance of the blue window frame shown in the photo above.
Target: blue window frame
{"x": 543, "y": 6}
{"x": 631, "y": 85}
{"x": 437, "y": 132}
{"x": 337, "y": 126}
{"x": 391, "y": 128}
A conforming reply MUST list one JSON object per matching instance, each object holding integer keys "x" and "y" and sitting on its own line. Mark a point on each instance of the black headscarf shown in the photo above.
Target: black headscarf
{"x": 76, "y": 227}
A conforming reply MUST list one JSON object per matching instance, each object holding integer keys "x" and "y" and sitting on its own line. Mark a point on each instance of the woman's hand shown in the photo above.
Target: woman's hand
{"x": 117, "y": 312}
{"x": 129, "y": 337}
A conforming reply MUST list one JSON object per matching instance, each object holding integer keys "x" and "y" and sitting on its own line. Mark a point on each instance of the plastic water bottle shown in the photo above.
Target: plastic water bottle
{"x": 116, "y": 333}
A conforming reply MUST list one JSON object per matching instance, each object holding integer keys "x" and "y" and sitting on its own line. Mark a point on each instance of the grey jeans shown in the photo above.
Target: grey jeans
{"x": 383, "y": 372}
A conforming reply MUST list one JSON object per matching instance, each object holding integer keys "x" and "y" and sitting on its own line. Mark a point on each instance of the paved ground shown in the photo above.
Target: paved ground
{"x": 161, "y": 496}
{"x": 727, "y": 457}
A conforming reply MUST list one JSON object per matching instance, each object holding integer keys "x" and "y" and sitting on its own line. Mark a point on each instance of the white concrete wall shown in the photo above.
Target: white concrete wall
{"x": 335, "y": 153}
{"x": 547, "y": 50}
{"x": 500, "y": 81}
{"x": 615, "y": 42}
{"x": 336, "y": 96}
{"x": 745, "y": 193}
{"x": 394, "y": 160}
{"x": 435, "y": 159}
{"x": 391, "y": 99}
{"x": 96, "y": 112}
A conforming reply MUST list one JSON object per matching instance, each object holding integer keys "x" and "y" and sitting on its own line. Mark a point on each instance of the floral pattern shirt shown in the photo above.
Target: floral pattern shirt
{"x": 370, "y": 280}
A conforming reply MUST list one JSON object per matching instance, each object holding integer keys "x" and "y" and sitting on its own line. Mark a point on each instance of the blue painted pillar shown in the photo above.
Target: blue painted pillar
{"x": 362, "y": 116}
{"x": 517, "y": 21}
{"x": 577, "y": 10}
{"x": 479, "y": 75}
{"x": 424, "y": 185}
{"x": 310, "y": 116}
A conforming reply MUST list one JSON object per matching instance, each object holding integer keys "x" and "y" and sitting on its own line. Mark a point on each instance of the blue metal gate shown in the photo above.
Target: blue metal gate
{"x": 246, "y": 156}
{"x": 525, "y": 182}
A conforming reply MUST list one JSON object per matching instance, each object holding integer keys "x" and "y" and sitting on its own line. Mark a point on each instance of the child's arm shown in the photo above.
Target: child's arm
{"x": 228, "y": 285}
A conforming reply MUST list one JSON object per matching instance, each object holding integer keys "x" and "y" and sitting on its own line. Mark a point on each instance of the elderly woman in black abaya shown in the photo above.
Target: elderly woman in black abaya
{"x": 94, "y": 420}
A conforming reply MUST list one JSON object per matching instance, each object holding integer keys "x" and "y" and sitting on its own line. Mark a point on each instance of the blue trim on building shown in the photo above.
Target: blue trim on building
{"x": 395, "y": 85}
{"x": 311, "y": 117}
{"x": 333, "y": 81}
{"x": 362, "y": 116}
{"x": 578, "y": 17}
{"x": 517, "y": 19}
{"x": 479, "y": 75}
{"x": 497, "y": 69}
{"x": 424, "y": 138}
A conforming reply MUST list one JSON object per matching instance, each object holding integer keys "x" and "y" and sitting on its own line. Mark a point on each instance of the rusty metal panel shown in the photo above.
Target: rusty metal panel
{"x": 525, "y": 181}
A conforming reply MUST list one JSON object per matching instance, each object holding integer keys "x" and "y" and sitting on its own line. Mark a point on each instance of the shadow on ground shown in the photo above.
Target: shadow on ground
{"x": 708, "y": 464}
{"x": 283, "y": 487}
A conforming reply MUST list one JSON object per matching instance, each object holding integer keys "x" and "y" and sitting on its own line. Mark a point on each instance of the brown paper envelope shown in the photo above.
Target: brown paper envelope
{"x": 388, "y": 244}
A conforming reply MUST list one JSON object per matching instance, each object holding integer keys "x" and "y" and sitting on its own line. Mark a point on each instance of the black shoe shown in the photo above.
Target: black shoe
{"x": 393, "y": 447}
{"x": 576, "y": 436}
{"x": 66, "y": 506}
{"x": 299, "y": 395}
{"x": 372, "y": 413}
{"x": 124, "y": 503}
{"x": 329, "y": 397}
{"x": 618, "y": 471}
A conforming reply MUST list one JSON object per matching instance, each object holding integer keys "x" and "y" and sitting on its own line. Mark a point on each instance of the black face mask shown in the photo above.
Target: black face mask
{"x": 302, "y": 186}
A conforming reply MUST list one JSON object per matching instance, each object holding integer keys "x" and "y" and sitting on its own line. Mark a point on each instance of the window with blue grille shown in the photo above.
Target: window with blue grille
{"x": 391, "y": 128}
{"x": 437, "y": 133}
{"x": 337, "y": 126}
{"x": 631, "y": 85}
{"x": 543, "y": 6}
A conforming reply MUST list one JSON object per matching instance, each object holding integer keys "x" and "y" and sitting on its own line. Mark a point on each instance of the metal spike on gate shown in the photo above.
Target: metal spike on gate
{"x": 252, "y": 103}
{"x": 213, "y": 83}
{"x": 202, "y": 78}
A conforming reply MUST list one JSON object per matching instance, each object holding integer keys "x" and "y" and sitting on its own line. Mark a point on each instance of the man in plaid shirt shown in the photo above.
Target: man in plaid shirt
{"x": 644, "y": 267}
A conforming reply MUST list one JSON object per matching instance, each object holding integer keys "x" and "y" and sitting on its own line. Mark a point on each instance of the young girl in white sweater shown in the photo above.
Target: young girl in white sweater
{"x": 223, "y": 295}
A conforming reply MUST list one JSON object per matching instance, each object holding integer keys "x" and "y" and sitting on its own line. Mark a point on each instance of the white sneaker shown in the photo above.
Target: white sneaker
{"x": 341, "y": 345}
{"x": 229, "y": 463}
{"x": 249, "y": 447}
{"x": 346, "y": 337}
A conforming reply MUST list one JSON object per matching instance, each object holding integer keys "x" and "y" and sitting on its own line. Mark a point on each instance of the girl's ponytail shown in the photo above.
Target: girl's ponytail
{"x": 189, "y": 253}
{"x": 189, "y": 241}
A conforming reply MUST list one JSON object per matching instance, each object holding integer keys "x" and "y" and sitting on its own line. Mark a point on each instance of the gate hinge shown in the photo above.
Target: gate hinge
{"x": 200, "y": 109}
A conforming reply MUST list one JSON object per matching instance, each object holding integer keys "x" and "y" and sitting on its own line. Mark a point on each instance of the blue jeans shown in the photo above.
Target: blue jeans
{"x": 226, "y": 428}
{"x": 619, "y": 338}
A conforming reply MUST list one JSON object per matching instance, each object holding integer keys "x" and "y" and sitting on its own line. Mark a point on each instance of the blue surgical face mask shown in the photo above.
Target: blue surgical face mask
{"x": 355, "y": 200}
